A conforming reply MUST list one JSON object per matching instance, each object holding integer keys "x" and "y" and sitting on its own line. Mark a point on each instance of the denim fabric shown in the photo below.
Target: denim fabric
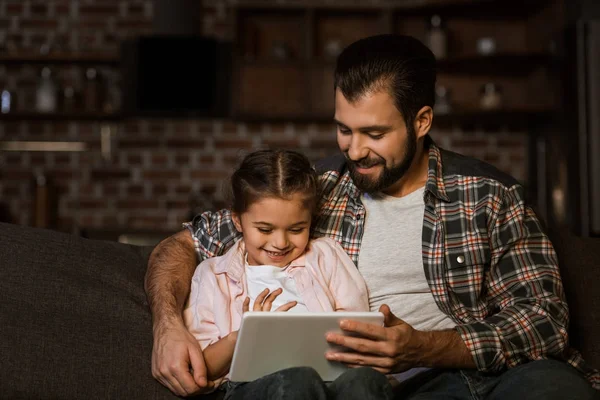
{"x": 303, "y": 383}
{"x": 543, "y": 380}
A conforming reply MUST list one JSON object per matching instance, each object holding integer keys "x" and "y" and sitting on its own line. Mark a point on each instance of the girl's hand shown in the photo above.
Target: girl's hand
{"x": 264, "y": 301}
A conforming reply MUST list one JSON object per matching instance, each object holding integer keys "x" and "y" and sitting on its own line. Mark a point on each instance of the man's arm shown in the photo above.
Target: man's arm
{"x": 170, "y": 269}
{"x": 167, "y": 283}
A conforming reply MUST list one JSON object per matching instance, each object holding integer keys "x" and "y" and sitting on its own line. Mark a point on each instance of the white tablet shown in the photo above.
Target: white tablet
{"x": 271, "y": 341}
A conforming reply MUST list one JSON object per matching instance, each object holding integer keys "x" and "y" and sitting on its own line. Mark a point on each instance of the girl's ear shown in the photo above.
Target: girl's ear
{"x": 236, "y": 221}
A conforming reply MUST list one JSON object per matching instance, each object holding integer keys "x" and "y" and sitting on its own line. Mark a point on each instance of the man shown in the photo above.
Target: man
{"x": 444, "y": 241}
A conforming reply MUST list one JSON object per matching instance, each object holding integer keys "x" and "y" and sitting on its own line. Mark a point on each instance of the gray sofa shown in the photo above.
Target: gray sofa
{"x": 75, "y": 323}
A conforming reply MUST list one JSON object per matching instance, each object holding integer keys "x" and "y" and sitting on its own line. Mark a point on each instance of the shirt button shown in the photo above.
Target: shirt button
{"x": 460, "y": 259}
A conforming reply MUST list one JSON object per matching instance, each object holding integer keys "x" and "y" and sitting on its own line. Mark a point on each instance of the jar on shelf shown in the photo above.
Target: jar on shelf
{"x": 491, "y": 96}
{"x": 437, "y": 37}
{"x": 46, "y": 92}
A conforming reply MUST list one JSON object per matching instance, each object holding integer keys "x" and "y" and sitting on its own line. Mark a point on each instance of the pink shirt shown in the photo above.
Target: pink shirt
{"x": 326, "y": 279}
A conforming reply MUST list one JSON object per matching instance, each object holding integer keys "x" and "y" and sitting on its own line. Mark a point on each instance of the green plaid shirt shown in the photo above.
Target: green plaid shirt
{"x": 488, "y": 263}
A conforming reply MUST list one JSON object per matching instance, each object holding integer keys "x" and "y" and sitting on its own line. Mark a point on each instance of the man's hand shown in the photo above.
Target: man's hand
{"x": 397, "y": 346}
{"x": 177, "y": 361}
{"x": 394, "y": 347}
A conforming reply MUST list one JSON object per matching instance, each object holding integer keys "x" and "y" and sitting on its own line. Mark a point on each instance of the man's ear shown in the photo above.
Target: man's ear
{"x": 236, "y": 221}
{"x": 423, "y": 121}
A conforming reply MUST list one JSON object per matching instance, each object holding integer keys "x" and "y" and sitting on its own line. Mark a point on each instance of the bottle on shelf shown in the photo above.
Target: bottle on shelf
{"x": 437, "y": 37}
{"x": 92, "y": 92}
{"x": 491, "y": 96}
{"x": 8, "y": 101}
{"x": 46, "y": 93}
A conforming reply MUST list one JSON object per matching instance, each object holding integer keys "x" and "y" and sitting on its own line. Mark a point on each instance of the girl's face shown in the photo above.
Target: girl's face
{"x": 275, "y": 231}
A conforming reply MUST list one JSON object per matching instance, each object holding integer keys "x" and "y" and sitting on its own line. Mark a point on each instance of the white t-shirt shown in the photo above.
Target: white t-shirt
{"x": 261, "y": 277}
{"x": 391, "y": 260}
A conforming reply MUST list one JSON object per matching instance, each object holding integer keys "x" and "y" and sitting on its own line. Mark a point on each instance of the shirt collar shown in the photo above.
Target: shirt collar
{"x": 435, "y": 176}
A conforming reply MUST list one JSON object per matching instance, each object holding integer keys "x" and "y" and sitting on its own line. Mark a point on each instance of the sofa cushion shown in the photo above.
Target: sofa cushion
{"x": 579, "y": 260}
{"x": 74, "y": 321}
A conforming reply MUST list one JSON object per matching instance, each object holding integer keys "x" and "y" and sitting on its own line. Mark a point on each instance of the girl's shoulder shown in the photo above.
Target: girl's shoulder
{"x": 324, "y": 245}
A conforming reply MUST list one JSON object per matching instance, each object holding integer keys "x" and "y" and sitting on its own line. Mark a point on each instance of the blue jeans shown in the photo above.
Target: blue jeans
{"x": 543, "y": 380}
{"x": 303, "y": 383}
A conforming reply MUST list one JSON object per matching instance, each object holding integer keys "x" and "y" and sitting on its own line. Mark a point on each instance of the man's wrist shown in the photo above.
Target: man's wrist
{"x": 442, "y": 349}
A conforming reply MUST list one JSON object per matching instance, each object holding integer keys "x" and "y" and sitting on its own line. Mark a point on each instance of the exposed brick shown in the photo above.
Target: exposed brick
{"x": 180, "y": 204}
{"x": 182, "y": 190}
{"x": 147, "y": 222}
{"x": 98, "y": 10}
{"x": 509, "y": 142}
{"x": 139, "y": 204}
{"x": 17, "y": 174}
{"x": 134, "y": 159}
{"x": 159, "y": 159}
{"x": 207, "y": 159}
{"x": 131, "y": 127}
{"x": 182, "y": 159}
{"x": 233, "y": 143}
{"x": 110, "y": 221}
{"x": 186, "y": 143}
{"x": 161, "y": 175}
{"x": 88, "y": 203}
{"x": 112, "y": 173}
{"x": 41, "y": 24}
{"x": 39, "y": 10}
{"x": 135, "y": 190}
{"x": 14, "y": 9}
{"x": 292, "y": 143}
{"x": 209, "y": 174}
{"x": 13, "y": 159}
{"x": 323, "y": 143}
{"x": 110, "y": 189}
{"x": 127, "y": 143}
{"x": 469, "y": 143}
{"x": 62, "y": 159}
{"x": 160, "y": 189}
{"x": 134, "y": 24}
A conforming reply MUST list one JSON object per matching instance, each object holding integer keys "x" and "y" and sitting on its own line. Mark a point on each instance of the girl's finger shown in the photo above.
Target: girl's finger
{"x": 246, "y": 305}
{"x": 259, "y": 300}
{"x": 270, "y": 299}
{"x": 287, "y": 306}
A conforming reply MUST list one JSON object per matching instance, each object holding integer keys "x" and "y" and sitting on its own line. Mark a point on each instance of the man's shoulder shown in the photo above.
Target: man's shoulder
{"x": 455, "y": 164}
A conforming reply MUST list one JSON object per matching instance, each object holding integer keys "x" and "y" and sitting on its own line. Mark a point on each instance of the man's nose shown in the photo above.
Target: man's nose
{"x": 357, "y": 150}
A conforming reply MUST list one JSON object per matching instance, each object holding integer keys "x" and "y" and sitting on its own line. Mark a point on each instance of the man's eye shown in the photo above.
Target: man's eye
{"x": 264, "y": 230}
{"x": 377, "y": 137}
{"x": 344, "y": 131}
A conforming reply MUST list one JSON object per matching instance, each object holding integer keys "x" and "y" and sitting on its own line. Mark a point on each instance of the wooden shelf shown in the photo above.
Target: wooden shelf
{"x": 489, "y": 8}
{"x": 501, "y": 64}
{"x": 59, "y": 58}
{"x": 59, "y": 116}
{"x": 299, "y": 88}
{"x": 514, "y": 118}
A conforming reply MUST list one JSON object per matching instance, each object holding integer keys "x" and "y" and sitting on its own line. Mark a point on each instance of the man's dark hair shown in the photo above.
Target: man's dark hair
{"x": 402, "y": 65}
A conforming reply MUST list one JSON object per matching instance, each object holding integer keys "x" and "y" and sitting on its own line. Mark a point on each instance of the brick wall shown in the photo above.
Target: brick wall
{"x": 160, "y": 169}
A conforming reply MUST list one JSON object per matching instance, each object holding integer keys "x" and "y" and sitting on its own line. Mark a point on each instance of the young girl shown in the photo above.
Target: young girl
{"x": 276, "y": 267}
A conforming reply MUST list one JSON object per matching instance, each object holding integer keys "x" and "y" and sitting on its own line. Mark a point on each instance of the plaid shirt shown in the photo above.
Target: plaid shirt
{"x": 489, "y": 265}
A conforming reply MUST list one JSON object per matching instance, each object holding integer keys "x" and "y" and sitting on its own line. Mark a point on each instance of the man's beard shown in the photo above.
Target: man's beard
{"x": 389, "y": 176}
